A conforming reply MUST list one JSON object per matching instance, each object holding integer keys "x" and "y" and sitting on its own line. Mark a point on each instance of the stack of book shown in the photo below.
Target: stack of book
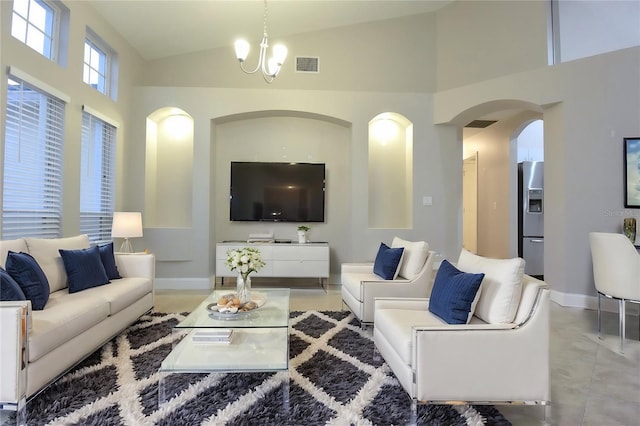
{"x": 220, "y": 335}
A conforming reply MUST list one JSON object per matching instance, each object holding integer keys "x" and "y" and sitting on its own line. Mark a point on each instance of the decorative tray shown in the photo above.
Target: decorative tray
{"x": 229, "y": 306}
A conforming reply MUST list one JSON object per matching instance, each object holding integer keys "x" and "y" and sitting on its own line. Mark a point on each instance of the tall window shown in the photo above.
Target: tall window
{"x": 32, "y": 184}
{"x": 97, "y": 168}
{"x": 34, "y": 23}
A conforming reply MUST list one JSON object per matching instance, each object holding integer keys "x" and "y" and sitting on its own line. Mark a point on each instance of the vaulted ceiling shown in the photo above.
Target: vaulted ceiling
{"x": 161, "y": 28}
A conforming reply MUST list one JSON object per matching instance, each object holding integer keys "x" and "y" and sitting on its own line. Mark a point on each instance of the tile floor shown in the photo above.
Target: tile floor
{"x": 591, "y": 382}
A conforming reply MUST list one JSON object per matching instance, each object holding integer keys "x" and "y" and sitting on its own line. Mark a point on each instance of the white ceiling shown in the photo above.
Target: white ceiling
{"x": 161, "y": 28}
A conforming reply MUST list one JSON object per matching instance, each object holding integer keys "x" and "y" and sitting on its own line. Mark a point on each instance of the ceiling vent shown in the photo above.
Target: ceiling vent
{"x": 481, "y": 124}
{"x": 307, "y": 64}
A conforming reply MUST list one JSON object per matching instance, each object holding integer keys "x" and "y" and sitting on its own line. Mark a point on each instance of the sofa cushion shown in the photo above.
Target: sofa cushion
{"x": 396, "y": 325}
{"x": 17, "y": 246}
{"x": 67, "y": 316}
{"x": 387, "y": 263}
{"x": 109, "y": 261}
{"x": 24, "y": 269}
{"x": 455, "y": 294}
{"x": 121, "y": 293}
{"x": 84, "y": 268}
{"x": 415, "y": 254}
{"x": 45, "y": 251}
{"x": 501, "y": 287}
{"x": 9, "y": 289}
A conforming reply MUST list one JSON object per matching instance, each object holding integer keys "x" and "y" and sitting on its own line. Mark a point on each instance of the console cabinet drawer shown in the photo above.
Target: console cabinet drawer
{"x": 281, "y": 260}
{"x": 301, "y": 268}
{"x": 299, "y": 253}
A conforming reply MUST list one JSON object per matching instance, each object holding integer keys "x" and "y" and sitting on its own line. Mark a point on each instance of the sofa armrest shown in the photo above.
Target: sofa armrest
{"x": 136, "y": 265}
{"x": 410, "y": 304}
{"x": 26, "y": 303}
{"x": 13, "y": 350}
{"x": 357, "y": 268}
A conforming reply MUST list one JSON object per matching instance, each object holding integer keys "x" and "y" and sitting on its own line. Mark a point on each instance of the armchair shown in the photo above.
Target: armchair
{"x": 478, "y": 362}
{"x": 360, "y": 286}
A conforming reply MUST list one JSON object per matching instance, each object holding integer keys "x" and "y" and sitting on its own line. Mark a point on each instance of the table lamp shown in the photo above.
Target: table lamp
{"x": 126, "y": 225}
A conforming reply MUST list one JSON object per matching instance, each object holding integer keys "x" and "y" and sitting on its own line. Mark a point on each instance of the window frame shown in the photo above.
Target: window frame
{"x": 94, "y": 42}
{"x": 54, "y": 37}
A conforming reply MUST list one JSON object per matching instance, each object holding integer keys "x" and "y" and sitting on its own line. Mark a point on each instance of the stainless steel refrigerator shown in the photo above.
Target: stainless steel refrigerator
{"x": 531, "y": 216}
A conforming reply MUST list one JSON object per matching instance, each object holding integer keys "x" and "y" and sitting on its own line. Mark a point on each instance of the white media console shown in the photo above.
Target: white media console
{"x": 282, "y": 260}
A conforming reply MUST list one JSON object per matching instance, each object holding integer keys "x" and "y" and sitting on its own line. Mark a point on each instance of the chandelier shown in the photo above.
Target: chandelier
{"x": 270, "y": 68}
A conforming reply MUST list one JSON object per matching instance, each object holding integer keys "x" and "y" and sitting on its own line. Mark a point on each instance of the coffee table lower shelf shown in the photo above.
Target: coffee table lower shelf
{"x": 251, "y": 350}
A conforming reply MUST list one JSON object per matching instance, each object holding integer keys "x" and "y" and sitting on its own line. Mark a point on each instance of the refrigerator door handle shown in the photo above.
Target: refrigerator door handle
{"x": 536, "y": 240}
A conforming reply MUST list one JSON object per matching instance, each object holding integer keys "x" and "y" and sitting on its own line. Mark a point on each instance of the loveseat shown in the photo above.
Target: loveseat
{"x": 74, "y": 321}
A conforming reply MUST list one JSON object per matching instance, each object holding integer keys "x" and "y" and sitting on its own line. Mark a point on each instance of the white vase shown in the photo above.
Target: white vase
{"x": 302, "y": 237}
{"x": 243, "y": 288}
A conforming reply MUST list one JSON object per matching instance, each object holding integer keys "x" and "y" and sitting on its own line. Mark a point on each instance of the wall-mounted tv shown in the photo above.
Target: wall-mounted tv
{"x": 277, "y": 192}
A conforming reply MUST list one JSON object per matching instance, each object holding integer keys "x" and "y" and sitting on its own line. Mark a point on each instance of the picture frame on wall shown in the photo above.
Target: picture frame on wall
{"x": 632, "y": 172}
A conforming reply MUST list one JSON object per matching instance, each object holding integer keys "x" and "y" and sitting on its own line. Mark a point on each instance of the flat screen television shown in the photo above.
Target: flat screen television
{"x": 277, "y": 192}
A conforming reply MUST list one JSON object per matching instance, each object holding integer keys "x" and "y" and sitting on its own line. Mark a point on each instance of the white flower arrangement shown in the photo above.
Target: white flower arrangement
{"x": 245, "y": 260}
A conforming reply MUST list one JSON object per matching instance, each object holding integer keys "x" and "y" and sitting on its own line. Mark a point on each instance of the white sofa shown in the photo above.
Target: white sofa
{"x": 360, "y": 285}
{"x": 501, "y": 361}
{"x": 71, "y": 326}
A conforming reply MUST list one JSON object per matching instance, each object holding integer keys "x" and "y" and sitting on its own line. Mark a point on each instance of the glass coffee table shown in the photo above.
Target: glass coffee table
{"x": 259, "y": 342}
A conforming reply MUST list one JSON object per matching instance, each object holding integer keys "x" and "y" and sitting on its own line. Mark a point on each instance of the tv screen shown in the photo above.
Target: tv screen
{"x": 277, "y": 192}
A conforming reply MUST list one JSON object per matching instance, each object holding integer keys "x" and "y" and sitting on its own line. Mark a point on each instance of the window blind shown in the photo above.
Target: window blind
{"x": 33, "y": 161}
{"x": 97, "y": 168}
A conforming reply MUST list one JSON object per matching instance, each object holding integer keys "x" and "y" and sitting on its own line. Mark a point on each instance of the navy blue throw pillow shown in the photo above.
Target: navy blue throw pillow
{"x": 9, "y": 289}
{"x": 84, "y": 269}
{"x": 453, "y": 293}
{"x": 387, "y": 262}
{"x": 24, "y": 269}
{"x": 109, "y": 261}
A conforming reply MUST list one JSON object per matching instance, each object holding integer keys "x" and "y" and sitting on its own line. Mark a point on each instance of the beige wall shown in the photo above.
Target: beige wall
{"x": 588, "y": 106}
{"x": 479, "y": 40}
{"x": 390, "y": 56}
{"x": 286, "y": 119}
{"x": 68, "y": 80}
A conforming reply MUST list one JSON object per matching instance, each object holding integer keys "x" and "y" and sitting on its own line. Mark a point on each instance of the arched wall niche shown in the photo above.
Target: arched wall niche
{"x": 390, "y": 171}
{"x": 168, "y": 169}
{"x": 284, "y": 136}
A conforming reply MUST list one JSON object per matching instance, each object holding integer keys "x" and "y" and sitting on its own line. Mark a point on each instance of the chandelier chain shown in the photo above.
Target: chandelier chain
{"x": 265, "y": 18}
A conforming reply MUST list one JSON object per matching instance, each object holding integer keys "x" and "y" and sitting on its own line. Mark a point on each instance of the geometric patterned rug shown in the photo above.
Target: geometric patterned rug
{"x": 335, "y": 378}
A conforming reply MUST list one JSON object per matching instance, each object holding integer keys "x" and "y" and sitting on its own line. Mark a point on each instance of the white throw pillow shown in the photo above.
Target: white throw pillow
{"x": 45, "y": 252}
{"x": 501, "y": 287}
{"x": 413, "y": 257}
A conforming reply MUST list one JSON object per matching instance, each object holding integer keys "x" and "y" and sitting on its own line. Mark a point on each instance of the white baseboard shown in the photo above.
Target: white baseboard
{"x": 573, "y": 300}
{"x": 183, "y": 284}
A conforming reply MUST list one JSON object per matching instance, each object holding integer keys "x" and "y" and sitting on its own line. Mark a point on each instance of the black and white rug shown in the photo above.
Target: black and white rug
{"x": 335, "y": 379}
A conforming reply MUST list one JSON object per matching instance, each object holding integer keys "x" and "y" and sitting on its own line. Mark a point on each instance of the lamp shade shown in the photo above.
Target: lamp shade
{"x": 126, "y": 225}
